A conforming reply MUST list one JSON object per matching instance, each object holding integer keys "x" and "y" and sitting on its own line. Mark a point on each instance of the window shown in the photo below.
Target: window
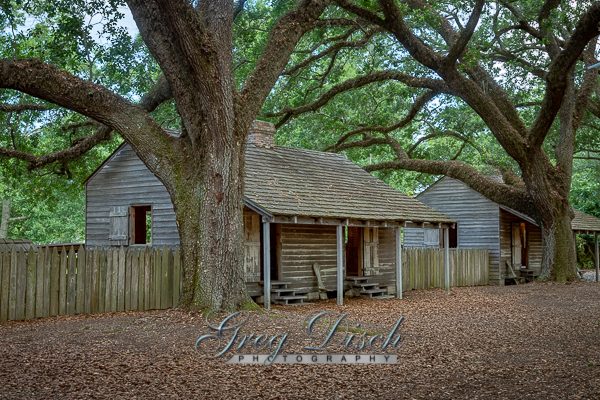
{"x": 453, "y": 237}
{"x": 140, "y": 224}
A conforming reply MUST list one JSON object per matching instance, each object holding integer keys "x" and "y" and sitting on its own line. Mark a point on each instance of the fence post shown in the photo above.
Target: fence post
{"x": 447, "y": 259}
{"x": 399, "y": 262}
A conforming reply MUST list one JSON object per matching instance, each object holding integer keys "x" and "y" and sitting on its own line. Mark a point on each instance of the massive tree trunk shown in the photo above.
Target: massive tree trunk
{"x": 548, "y": 187}
{"x": 559, "y": 260}
{"x": 208, "y": 198}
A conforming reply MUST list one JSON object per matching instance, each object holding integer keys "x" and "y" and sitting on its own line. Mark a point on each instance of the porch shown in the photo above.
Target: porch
{"x": 292, "y": 259}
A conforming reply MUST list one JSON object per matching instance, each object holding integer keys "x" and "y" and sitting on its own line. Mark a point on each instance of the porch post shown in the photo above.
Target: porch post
{"x": 447, "y": 259}
{"x": 266, "y": 256}
{"x": 596, "y": 239}
{"x": 340, "y": 265}
{"x": 398, "y": 263}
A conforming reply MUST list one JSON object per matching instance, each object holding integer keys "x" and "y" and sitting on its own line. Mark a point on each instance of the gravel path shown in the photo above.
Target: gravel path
{"x": 535, "y": 341}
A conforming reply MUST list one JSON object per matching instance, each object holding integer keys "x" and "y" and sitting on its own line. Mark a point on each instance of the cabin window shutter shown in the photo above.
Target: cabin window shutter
{"x": 431, "y": 237}
{"x": 252, "y": 247}
{"x": 119, "y": 225}
{"x": 371, "y": 252}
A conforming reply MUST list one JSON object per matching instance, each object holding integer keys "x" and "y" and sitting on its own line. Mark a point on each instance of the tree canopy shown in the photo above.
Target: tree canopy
{"x": 467, "y": 89}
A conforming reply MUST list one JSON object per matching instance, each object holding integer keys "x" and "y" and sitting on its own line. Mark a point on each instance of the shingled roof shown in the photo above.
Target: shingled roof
{"x": 16, "y": 245}
{"x": 298, "y": 182}
{"x": 583, "y": 222}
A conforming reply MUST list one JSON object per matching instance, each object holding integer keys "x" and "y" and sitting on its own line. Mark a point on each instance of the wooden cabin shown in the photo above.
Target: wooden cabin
{"x": 513, "y": 239}
{"x": 306, "y": 215}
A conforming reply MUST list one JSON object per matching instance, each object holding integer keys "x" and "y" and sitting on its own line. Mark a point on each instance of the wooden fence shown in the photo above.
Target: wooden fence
{"x": 423, "y": 268}
{"x": 62, "y": 281}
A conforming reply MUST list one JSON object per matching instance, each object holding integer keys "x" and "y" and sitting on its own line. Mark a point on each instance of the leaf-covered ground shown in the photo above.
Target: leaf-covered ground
{"x": 538, "y": 341}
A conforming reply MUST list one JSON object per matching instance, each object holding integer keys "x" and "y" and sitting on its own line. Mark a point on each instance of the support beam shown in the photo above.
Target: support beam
{"x": 399, "y": 263}
{"x": 596, "y": 239}
{"x": 266, "y": 256}
{"x": 447, "y": 259}
{"x": 340, "y": 265}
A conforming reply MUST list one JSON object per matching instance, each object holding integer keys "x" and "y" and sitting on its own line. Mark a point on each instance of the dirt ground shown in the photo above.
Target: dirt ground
{"x": 535, "y": 341}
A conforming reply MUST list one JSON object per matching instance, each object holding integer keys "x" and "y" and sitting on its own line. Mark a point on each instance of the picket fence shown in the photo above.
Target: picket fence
{"x": 62, "y": 281}
{"x": 65, "y": 281}
{"x": 423, "y": 268}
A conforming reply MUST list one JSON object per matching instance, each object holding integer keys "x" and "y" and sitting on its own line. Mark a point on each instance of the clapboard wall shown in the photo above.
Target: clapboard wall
{"x": 122, "y": 181}
{"x": 477, "y": 220}
{"x": 301, "y": 247}
{"x": 387, "y": 259}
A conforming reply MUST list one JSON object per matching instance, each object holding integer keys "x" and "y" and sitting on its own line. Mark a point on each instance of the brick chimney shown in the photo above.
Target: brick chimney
{"x": 262, "y": 134}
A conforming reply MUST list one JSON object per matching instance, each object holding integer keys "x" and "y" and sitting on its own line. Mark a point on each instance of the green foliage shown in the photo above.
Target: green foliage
{"x": 84, "y": 38}
{"x": 99, "y": 49}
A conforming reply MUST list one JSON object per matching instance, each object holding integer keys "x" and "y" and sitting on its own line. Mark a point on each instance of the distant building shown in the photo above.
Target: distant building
{"x": 513, "y": 239}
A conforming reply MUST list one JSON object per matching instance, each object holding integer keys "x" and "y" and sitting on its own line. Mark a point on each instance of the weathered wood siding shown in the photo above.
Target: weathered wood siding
{"x": 477, "y": 220}
{"x": 533, "y": 242}
{"x": 301, "y": 247}
{"x": 252, "y": 252}
{"x": 387, "y": 259}
{"x": 63, "y": 281}
{"x": 124, "y": 181}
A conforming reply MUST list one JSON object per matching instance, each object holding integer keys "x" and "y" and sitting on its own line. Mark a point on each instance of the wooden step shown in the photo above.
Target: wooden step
{"x": 289, "y": 300}
{"x": 281, "y": 291}
{"x": 277, "y": 284}
{"x": 290, "y": 297}
{"x": 366, "y": 285}
{"x": 357, "y": 278}
{"x": 373, "y": 292}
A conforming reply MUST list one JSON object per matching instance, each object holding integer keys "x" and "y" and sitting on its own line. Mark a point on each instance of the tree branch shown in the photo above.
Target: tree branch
{"x": 281, "y": 43}
{"x": 378, "y": 76}
{"x": 559, "y": 72}
{"x": 335, "y": 48}
{"x": 459, "y": 46}
{"x": 511, "y": 196}
{"x": 417, "y": 106}
{"x": 21, "y": 107}
{"x": 48, "y": 83}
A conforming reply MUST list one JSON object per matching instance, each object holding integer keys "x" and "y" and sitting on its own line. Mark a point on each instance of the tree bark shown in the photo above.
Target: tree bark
{"x": 208, "y": 199}
{"x": 5, "y": 218}
{"x": 559, "y": 260}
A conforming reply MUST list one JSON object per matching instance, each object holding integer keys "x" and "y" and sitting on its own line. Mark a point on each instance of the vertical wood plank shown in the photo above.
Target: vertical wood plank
{"x": 133, "y": 295}
{"x": 31, "y": 285}
{"x": 89, "y": 273}
{"x": 141, "y": 280}
{"x": 115, "y": 280}
{"x": 21, "y": 285}
{"x": 127, "y": 290}
{"x": 102, "y": 278}
{"x": 109, "y": 284}
{"x": 157, "y": 278}
{"x": 12, "y": 297}
{"x": 81, "y": 272}
{"x": 94, "y": 282}
{"x": 166, "y": 296}
{"x": 54, "y": 281}
{"x": 147, "y": 278}
{"x": 39, "y": 284}
{"x": 47, "y": 279}
{"x": 71, "y": 281}
{"x": 121, "y": 281}
{"x": 176, "y": 277}
{"x": 62, "y": 285}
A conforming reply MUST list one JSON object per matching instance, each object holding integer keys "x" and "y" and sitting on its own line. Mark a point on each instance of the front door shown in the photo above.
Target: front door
{"x": 519, "y": 245}
{"x": 354, "y": 252}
